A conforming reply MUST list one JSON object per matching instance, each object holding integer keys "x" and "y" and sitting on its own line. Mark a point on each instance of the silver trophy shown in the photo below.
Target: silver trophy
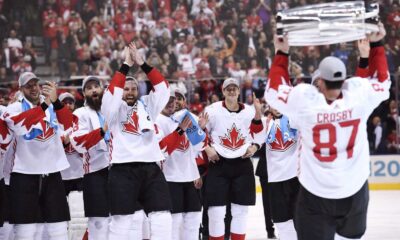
{"x": 328, "y": 23}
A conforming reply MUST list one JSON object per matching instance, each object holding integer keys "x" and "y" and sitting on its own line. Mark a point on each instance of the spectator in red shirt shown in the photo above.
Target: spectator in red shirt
{"x": 196, "y": 106}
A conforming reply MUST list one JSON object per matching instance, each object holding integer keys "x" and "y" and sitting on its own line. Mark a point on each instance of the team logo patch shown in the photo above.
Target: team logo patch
{"x": 233, "y": 140}
{"x": 47, "y": 134}
{"x": 278, "y": 144}
{"x": 131, "y": 125}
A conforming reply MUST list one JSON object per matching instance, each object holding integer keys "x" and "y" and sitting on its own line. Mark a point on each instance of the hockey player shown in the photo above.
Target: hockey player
{"x": 136, "y": 182}
{"x": 73, "y": 177}
{"x": 91, "y": 138}
{"x": 5, "y": 138}
{"x": 283, "y": 185}
{"x": 230, "y": 175}
{"x": 36, "y": 190}
{"x": 180, "y": 170}
{"x": 333, "y": 152}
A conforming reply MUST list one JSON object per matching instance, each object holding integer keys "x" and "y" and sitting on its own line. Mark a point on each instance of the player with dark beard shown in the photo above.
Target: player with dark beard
{"x": 90, "y": 138}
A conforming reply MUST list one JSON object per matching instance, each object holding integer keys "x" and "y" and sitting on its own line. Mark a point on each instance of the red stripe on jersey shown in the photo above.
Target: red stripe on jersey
{"x": 64, "y": 117}
{"x": 118, "y": 80}
{"x": 90, "y": 139}
{"x": 4, "y": 131}
{"x": 378, "y": 63}
{"x": 279, "y": 72}
{"x": 156, "y": 77}
{"x": 256, "y": 127}
{"x": 29, "y": 117}
{"x": 362, "y": 72}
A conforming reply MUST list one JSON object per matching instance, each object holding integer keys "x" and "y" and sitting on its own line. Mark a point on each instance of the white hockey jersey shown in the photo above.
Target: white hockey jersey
{"x": 333, "y": 151}
{"x": 45, "y": 153}
{"x": 230, "y": 131}
{"x": 86, "y": 139}
{"x": 5, "y": 139}
{"x": 8, "y": 159}
{"x": 180, "y": 165}
{"x": 132, "y": 128}
{"x": 75, "y": 160}
{"x": 281, "y": 156}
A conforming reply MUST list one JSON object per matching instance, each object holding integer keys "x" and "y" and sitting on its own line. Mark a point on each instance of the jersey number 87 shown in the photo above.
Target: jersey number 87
{"x": 332, "y": 140}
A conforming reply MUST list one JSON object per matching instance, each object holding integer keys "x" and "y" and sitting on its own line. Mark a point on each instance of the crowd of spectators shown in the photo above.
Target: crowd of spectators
{"x": 194, "y": 43}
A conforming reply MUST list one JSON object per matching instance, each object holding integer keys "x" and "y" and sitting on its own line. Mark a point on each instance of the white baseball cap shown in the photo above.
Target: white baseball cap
{"x": 332, "y": 69}
{"x": 25, "y": 77}
{"x": 316, "y": 74}
{"x": 181, "y": 92}
{"x": 65, "y": 95}
{"x": 88, "y": 79}
{"x": 230, "y": 81}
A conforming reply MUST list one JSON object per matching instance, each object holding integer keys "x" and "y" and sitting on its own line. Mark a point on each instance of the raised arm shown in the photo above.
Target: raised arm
{"x": 278, "y": 87}
{"x": 112, "y": 98}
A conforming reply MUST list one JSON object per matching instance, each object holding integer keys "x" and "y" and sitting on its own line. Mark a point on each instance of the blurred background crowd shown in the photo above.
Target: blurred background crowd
{"x": 194, "y": 43}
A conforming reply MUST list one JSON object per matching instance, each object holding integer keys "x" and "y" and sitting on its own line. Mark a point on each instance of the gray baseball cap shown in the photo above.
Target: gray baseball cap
{"x": 131, "y": 78}
{"x": 66, "y": 95}
{"x": 230, "y": 81}
{"x": 88, "y": 79}
{"x": 332, "y": 69}
{"x": 25, "y": 77}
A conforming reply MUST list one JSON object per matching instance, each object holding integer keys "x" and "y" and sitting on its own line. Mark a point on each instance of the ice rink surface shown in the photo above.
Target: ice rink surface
{"x": 383, "y": 217}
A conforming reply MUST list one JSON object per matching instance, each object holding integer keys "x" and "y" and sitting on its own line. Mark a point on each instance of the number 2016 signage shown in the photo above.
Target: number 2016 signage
{"x": 385, "y": 172}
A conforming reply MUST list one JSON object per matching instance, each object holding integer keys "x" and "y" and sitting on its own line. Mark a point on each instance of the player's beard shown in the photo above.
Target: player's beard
{"x": 95, "y": 103}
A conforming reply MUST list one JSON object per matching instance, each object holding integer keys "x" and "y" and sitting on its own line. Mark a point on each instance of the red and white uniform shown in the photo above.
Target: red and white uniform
{"x": 132, "y": 128}
{"x": 180, "y": 165}
{"x": 5, "y": 141}
{"x": 333, "y": 151}
{"x": 75, "y": 160}
{"x": 281, "y": 156}
{"x": 230, "y": 131}
{"x": 86, "y": 138}
{"x": 45, "y": 153}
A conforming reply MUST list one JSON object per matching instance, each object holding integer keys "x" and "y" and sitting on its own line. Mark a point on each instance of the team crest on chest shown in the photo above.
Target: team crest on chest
{"x": 47, "y": 134}
{"x": 233, "y": 139}
{"x": 278, "y": 144}
{"x": 131, "y": 125}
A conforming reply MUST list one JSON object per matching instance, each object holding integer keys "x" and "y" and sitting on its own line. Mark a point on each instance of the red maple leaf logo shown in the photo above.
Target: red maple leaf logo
{"x": 278, "y": 144}
{"x": 47, "y": 133}
{"x": 131, "y": 125}
{"x": 233, "y": 140}
{"x": 183, "y": 145}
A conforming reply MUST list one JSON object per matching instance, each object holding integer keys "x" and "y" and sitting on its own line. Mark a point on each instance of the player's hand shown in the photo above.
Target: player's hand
{"x": 377, "y": 36}
{"x": 203, "y": 120}
{"x": 211, "y": 154}
{"x": 250, "y": 151}
{"x": 198, "y": 183}
{"x": 135, "y": 54}
{"x": 258, "y": 106}
{"x": 186, "y": 123}
{"x": 128, "y": 57}
{"x": 49, "y": 90}
{"x": 281, "y": 43}
{"x": 363, "y": 47}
